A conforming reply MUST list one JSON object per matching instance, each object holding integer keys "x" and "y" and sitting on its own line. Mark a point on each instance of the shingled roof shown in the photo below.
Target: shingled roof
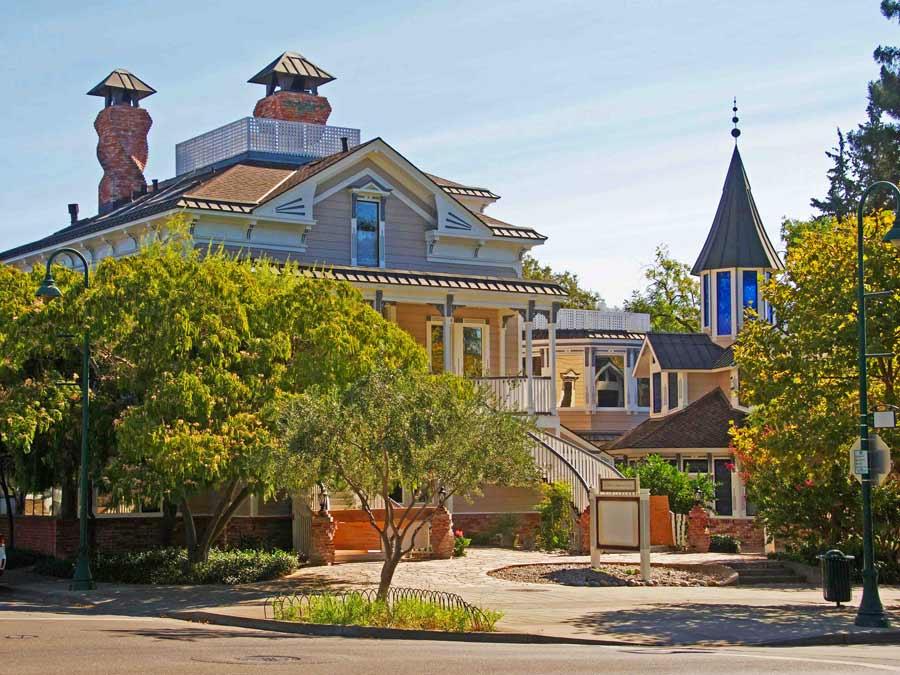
{"x": 237, "y": 188}
{"x": 686, "y": 351}
{"x": 737, "y": 237}
{"x": 702, "y": 424}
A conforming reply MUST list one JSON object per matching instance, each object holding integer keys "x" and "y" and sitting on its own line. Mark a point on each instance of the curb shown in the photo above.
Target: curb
{"x": 328, "y": 630}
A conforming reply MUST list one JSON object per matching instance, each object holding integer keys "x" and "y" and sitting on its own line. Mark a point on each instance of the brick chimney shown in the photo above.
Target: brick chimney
{"x": 122, "y": 128}
{"x": 292, "y": 90}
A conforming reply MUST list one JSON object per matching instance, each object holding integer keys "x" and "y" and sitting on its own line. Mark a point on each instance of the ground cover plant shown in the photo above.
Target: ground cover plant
{"x": 172, "y": 566}
{"x": 355, "y": 609}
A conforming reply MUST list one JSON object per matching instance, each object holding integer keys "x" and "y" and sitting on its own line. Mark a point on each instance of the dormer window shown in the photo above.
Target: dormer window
{"x": 610, "y": 381}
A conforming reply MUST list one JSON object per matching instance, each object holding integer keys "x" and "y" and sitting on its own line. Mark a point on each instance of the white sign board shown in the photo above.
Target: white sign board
{"x": 884, "y": 419}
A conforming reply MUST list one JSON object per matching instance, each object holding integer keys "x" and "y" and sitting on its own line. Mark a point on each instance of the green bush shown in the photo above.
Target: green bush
{"x": 412, "y": 613}
{"x": 557, "y": 521}
{"x": 170, "y": 566}
{"x": 724, "y": 543}
{"x": 505, "y": 528}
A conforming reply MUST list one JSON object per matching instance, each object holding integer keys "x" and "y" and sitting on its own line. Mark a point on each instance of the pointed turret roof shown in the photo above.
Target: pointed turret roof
{"x": 737, "y": 237}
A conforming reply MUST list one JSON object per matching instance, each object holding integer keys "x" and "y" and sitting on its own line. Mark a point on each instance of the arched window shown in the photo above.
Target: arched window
{"x": 609, "y": 381}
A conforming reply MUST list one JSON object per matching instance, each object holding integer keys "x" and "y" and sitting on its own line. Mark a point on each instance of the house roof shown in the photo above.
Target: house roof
{"x": 291, "y": 63}
{"x": 454, "y": 188}
{"x": 685, "y": 351}
{"x": 237, "y": 188}
{"x": 702, "y": 424}
{"x": 737, "y": 237}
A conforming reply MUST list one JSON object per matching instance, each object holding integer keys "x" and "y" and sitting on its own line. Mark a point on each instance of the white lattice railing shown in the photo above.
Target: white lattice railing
{"x": 511, "y": 393}
{"x": 265, "y": 138}
{"x": 594, "y": 319}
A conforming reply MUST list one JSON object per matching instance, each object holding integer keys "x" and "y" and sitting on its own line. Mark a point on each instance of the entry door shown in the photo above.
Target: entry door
{"x": 470, "y": 349}
{"x": 723, "y": 487}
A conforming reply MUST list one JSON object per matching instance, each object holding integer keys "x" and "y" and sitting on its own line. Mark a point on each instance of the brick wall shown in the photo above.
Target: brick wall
{"x": 486, "y": 523}
{"x": 746, "y": 530}
{"x": 122, "y": 152}
{"x": 698, "y": 530}
{"x": 294, "y": 106}
{"x": 60, "y": 537}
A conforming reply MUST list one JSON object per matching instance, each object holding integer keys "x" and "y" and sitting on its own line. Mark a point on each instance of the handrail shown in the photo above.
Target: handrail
{"x": 580, "y": 498}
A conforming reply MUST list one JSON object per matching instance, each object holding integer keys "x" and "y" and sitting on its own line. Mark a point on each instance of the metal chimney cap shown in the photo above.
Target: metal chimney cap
{"x": 295, "y": 65}
{"x": 121, "y": 79}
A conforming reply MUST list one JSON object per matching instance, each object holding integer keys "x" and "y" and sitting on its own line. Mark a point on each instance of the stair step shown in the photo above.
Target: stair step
{"x": 749, "y": 572}
{"x": 774, "y": 579}
{"x": 756, "y": 564}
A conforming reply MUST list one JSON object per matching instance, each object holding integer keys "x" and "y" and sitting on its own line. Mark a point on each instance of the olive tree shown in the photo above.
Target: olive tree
{"x": 435, "y": 435}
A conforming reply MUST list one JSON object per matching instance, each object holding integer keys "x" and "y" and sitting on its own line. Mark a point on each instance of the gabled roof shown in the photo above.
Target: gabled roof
{"x": 702, "y": 424}
{"x": 737, "y": 237}
{"x": 685, "y": 351}
{"x": 237, "y": 188}
{"x": 291, "y": 63}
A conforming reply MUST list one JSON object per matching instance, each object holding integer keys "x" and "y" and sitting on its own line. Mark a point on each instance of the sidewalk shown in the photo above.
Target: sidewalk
{"x": 731, "y": 615}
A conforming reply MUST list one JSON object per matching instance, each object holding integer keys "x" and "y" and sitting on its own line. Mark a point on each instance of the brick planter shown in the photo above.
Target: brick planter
{"x": 321, "y": 548}
{"x": 442, "y": 534}
{"x": 698, "y": 530}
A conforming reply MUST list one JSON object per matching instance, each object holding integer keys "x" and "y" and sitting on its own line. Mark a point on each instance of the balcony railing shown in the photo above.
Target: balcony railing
{"x": 595, "y": 319}
{"x": 263, "y": 139}
{"x": 511, "y": 393}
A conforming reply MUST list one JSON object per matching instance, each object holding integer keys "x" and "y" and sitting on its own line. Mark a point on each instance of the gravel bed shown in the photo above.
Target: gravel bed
{"x": 582, "y": 574}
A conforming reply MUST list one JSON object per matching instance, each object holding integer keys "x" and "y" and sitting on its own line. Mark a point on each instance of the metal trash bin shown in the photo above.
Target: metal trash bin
{"x": 835, "y": 576}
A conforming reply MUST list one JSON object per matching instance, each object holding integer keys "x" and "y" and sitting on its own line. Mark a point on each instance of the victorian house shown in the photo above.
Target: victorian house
{"x": 422, "y": 249}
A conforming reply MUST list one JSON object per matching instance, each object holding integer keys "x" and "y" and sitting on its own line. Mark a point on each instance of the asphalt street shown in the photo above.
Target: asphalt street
{"x": 38, "y": 637}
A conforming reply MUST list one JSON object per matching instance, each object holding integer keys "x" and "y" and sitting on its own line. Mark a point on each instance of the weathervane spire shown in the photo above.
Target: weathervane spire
{"x": 735, "y": 132}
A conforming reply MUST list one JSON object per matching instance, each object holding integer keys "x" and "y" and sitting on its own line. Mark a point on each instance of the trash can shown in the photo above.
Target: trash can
{"x": 836, "y": 576}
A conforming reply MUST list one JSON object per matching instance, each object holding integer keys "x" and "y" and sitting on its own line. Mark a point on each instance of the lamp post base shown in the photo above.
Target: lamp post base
{"x": 82, "y": 580}
{"x": 872, "y": 620}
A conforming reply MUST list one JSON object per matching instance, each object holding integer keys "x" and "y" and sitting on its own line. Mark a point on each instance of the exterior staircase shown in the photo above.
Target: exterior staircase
{"x": 560, "y": 460}
{"x": 764, "y": 573}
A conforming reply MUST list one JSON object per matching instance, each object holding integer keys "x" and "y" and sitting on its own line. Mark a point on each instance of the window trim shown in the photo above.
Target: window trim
{"x": 368, "y": 194}
{"x": 457, "y": 358}
{"x": 626, "y": 384}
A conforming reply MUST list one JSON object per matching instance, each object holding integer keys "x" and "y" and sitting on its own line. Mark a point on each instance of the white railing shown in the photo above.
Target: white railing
{"x": 590, "y": 466}
{"x": 262, "y": 138}
{"x": 511, "y": 393}
{"x": 553, "y": 468}
{"x": 596, "y": 319}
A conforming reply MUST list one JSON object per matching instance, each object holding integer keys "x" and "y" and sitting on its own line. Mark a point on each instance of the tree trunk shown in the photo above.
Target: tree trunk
{"x": 387, "y": 573}
{"x": 168, "y": 522}
{"x": 190, "y": 530}
{"x": 9, "y": 512}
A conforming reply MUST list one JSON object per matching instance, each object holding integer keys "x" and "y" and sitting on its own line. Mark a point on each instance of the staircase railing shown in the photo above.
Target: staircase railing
{"x": 554, "y": 467}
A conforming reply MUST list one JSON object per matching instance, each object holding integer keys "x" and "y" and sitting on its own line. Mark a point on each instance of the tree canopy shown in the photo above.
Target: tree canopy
{"x": 579, "y": 297}
{"x": 672, "y": 296}
{"x": 800, "y": 376}
{"x": 435, "y": 436}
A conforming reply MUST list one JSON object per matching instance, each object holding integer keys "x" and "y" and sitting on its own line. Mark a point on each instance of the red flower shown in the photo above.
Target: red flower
{"x": 729, "y": 466}
{"x": 809, "y": 482}
{"x": 458, "y": 533}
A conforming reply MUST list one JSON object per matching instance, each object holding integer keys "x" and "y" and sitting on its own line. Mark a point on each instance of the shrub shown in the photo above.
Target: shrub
{"x": 171, "y": 566}
{"x": 460, "y": 544}
{"x": 556, "y": 517}
{"x": 20, "y": 557}
{"x": 724, "y": 543}
{"x": 413, "y": 613}
{"x": 504, "y": 529}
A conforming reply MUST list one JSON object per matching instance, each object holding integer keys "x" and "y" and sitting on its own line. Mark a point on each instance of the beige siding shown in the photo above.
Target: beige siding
{"x": 603, "y": 421}
{"x": 413, "y": 319}
{"x": 571, "y": 361}
{"x": 497, "y": 499}
{"x": 700, "y": 384}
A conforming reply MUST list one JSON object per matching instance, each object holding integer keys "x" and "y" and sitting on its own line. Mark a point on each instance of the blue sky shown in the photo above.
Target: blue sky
{"x": 605, "y": 125}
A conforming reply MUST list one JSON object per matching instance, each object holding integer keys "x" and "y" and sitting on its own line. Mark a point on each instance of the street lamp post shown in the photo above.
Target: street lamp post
{"x": 871, "y": 612}
{"x": 82, "y": 580}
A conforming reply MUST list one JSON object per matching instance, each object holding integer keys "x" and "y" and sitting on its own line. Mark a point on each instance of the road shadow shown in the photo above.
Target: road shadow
{"x": 197, "y": 634}
{"x": 731, "y": 624}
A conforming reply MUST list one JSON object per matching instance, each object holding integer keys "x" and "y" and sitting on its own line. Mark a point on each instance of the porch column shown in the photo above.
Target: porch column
{"x": 630, "y": 382}
{"x": 529, "y": 356}
{"x": 551, "y": 333}
{"x": 448, "y": 334}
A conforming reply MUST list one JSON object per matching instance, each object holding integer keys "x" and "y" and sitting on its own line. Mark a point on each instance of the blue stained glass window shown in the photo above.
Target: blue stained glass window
{"x": 657, "y": 392}
{"x": 705, "y": 299}
{"x": 723, "y": 303}
{"x": 751, "y": 291}
{"x": 770, "y": 313}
